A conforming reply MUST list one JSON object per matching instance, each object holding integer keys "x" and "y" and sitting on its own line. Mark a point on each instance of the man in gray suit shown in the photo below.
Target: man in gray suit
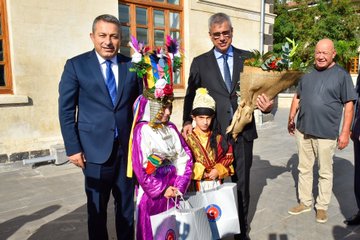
{"x": 97, "y": 92}
{"x": 218, "y": 70}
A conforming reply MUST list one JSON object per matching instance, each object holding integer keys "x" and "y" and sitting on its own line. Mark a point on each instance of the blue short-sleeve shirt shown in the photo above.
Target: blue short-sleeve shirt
{"x": 322, "y": 97}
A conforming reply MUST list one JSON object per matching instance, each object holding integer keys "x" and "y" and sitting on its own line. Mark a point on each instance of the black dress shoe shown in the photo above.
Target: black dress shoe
{"x": 241, "y": 237}
{"x": 354, "y": 220}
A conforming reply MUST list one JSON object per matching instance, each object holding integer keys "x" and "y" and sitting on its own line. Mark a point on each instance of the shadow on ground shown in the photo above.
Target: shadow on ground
{"x": 71, "y": 226}
{"x": 342, "y": 190}
{"x": 263, "y": 170}
{"x": 9, "y": 227}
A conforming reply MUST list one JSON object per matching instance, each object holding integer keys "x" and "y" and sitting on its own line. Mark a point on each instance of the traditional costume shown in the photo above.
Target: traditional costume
{"x": 208, "y": 156}
{"x": 159, "y": 155}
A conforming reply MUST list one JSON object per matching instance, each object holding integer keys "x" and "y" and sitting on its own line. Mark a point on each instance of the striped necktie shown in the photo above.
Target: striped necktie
{"x": 110, "y": 81}
{"x": 227, "y": 75}
{"x": 111, "y": 86}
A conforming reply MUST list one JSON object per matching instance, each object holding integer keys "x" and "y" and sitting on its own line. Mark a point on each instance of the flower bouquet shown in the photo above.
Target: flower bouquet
{"x": 269, "y": 74}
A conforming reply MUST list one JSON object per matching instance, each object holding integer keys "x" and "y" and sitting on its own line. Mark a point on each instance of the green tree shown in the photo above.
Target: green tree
{"x": 307, "y": 23}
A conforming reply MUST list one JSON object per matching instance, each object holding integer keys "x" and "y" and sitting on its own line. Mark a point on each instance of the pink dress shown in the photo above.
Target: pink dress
{"x": 175, "y": 170}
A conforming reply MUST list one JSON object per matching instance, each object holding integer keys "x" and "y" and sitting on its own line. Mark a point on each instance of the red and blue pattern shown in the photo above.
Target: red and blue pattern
{"x": 213, "y": 212}
{"x": 170, "y": 235}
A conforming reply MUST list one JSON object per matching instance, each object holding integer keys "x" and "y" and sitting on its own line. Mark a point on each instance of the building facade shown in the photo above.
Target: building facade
{"x": 37, "y": 36}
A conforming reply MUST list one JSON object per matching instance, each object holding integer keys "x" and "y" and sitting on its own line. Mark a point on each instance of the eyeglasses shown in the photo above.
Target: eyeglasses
{"x": 217, "y": 35}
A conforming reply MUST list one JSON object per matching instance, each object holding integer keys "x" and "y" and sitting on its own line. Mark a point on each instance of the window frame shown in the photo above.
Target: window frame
{"x": 4, "y": 36}
{"x": 353, "y": 65}
{"x": 153, "y": 6}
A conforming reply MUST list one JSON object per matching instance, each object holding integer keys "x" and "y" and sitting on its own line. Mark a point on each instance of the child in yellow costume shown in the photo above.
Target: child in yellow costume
{"x": 212, "y": 154}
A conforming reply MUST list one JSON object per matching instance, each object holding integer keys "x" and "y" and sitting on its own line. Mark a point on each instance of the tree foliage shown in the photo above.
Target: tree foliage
{"x": 307, "y": 23}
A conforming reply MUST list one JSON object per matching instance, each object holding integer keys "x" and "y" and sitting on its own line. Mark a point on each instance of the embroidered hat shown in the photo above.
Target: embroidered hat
{"x": 203, "y": 103}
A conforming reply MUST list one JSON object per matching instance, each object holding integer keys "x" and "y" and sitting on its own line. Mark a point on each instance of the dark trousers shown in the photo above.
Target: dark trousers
{"x": 357, "y": 171}
{"x": 100, "y": 181}
{"x": 243, "y": 156}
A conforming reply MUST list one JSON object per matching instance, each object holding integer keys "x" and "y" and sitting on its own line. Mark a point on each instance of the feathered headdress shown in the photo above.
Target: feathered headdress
{"x": 157, "y": 68}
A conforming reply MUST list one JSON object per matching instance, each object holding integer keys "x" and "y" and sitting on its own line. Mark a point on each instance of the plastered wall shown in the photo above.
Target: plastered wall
{"x": 43, "y": 34}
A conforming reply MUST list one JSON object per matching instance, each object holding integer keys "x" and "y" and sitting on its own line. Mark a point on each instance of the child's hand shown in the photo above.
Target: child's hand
{"x": 171, "y": 192}
{"x": 213, "y": 174}
{"x": 187, "y": 129}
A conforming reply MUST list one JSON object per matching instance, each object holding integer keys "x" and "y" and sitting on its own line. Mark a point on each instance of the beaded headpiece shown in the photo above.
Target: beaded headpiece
{"x": 157, "y": 68}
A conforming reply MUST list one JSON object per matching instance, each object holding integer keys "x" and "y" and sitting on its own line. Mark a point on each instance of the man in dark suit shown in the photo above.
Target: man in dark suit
{"x": 219, "y": 71}
{"x": 96, "y": 93}
{"x": 355, "y": 136}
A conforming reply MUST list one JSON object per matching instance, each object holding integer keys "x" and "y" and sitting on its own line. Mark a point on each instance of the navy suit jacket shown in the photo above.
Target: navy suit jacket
{"x": 205, "y": 72}
{"x": 87, "y": 115}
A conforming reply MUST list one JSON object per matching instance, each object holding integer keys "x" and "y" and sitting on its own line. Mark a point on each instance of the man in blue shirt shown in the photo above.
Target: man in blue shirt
{"x": 321, "y": 96}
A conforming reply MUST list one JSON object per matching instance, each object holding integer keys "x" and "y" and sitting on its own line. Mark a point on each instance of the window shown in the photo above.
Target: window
{"x": 5, "y": 69}
{"x": 353, "y": 65}
{"x": 150, "y": 21}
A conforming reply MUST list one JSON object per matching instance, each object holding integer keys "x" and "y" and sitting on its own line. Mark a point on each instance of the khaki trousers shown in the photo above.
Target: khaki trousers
{"x": 310, "y": 148}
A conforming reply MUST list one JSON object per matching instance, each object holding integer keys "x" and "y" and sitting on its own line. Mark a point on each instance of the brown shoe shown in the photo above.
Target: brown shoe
{"x": 301, "y": 208}
{"x": 321, "y": 216}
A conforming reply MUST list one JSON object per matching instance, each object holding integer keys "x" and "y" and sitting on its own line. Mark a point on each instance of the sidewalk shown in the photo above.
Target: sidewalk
{"x": 273, "y": 190}
{"x": 48, "y": 202}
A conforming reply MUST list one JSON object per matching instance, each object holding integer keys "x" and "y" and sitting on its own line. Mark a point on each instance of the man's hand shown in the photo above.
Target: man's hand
{"x": 291, "y": 126}
{"x": 343, "y": 140}
{"x": 78, "y": 159}
{"x": 187, "y": 129}
{"x": 264, "y": 103}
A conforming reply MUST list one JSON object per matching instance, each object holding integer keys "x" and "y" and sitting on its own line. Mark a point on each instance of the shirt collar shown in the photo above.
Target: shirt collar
{"x": 103, "y": 60}
{"x": 229, "y": 52}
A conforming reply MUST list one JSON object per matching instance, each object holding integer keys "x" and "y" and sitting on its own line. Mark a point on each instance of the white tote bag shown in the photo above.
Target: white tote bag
{"x": 220, "y": 205}
{"x": 164, "y": 225}
{"x": 192, "y": 223}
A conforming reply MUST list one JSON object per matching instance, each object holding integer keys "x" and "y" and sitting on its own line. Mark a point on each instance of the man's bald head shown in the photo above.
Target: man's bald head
{"x": 324, "y": 54}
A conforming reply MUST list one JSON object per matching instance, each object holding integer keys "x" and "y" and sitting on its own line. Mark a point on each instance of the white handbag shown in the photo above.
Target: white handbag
{"x": 192, "y": 223}
{"x": 164, "y": 226}
{"x": 221, "y": 206}
{"x": 181, "y": 222}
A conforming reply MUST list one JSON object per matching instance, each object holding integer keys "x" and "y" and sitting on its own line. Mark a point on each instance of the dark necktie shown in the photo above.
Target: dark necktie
{"x": 227, "y": 76}
{"x": 110, "y": 81}
{"x": 111, "y": 86}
